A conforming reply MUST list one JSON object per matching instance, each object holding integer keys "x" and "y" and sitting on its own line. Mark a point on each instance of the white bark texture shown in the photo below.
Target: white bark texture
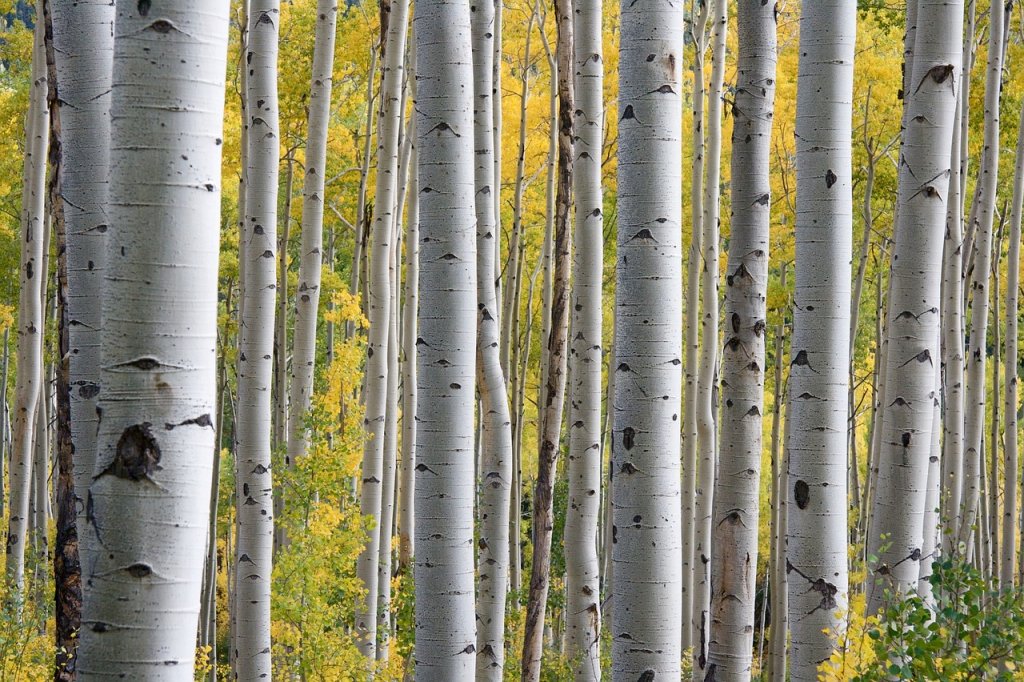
{"x": 707, "y": 380}
{"x": 83, "y": 41}
{"x": 583, "y": 611}
{"x": 148, "y": 500}
{"x": 495, "y": 475}
{"x": 908, "y": 403}
{"x": 307, "y": 298}
{"x": 379, "y": 312}
{"x": 738, "y": 486}
{"x": 446, "y": 344}
{"x": 255, "y": 507}
{"x": 816, "y": 501}
{"x": 31, "y": 323}
{"x": 985, "y": 200}
{"x": 647, "y": 542}
{"x": 1008, "y": 560}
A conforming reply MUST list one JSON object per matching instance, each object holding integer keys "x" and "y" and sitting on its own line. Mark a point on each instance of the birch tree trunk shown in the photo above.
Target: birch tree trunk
{"x": 647, "y": 542}
{"x": 446, "y": 344}
{"x": 691, "y": 394}
{"x": 307, "y": 298}
{"x": 707, "y": 380}
{"x": 914, "y": 305}
{"x": 816, "y": 501}
{"x": 738, "y": 485}
{"x": 254, "y": 489}
{"x": 83, "y": 43}
{"x": 1008, "y": 560}
{"x": 379, "y": 314}
{"x": 583, "y": 610}
{"x": 974, "y": 419}
{"x": 31, "y": 324}
{"x": 159, "y": 372}
{"x": 495, "y": 475}
{"x": 779, "y": 591}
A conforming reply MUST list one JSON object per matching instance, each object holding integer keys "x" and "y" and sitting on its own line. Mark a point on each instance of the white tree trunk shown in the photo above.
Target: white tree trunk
{"x": 83, "y": 40}
{"x": 379, "y": 313}
{"x": 816, "y": 501}
{"x": 985, "y": 204}
{"x": 446, "y": 344}
{"x": 495, "y": 474}
{"x": 1008, "y": 560}
{"x": 707, "y": 380}
{"x": 307, "y": 298}
{"x": 691, "y": 393}
{"x": 779, "y": 591}
{"x": 930, "y": 538}
{"x": 255, "y": 506}
{"x": 583, "y": 610}
{"x": 647, "y": 542}
{"x": 31, "y": 325}
{"x": 738, "y": 486}
{"x": 908, "y": 403}
{"x": 148, "y": 500}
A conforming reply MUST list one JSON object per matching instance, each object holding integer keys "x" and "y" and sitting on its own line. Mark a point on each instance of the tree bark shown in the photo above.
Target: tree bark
{"x": 816, "y": 494}
{"x": 156, "y": 439}
{"x": 446, "y": 345}
{"x": 779, "y": 590}
{"x": 914, "y": 307}
{"x": 738, "y": 485}
{"x": 647, "y": 539}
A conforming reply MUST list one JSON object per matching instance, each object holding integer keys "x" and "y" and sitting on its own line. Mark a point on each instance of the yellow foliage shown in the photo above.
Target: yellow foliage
{"x": 853, "y": 652}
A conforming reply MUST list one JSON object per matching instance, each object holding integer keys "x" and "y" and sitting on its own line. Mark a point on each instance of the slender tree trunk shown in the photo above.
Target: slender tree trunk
{"x": 255, "y": 504}
{"x": 647, "y": 540}
{"x": 779, "y": 591}
{"x": 707, "y": 381}
{"x": 495, "y": 474}
{"x": 154, "y": 455}
{"x": 30, "y": 317}
{"x": 819, "y": 370}
{"x": 280, "y": 416}
{"x": 379, "y": 308}
{"x": 930, "y": 542}
{"x": 914, "y": 307}
{"x": 556, "y": 342}
{"x": 992, "y": 532}
{"x": 583, "y": 610}
{"x": 82, "y": 61}
{"x": 446, "y": 344}
{"x": 307, "y": 298}
{"x": 738, "y": 485}
{"x": 1008, "y": 560}
{"x": 974, "y": 421}
{"x": 691, "y": 394}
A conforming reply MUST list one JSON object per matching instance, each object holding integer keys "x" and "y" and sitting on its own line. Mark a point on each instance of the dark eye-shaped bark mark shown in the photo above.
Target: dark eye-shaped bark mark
{"x": 137, "y": 455}
{"x": 802, "y": 494}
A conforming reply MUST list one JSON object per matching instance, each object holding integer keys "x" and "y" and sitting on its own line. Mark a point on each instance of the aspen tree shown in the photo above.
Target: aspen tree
{"x": 495, "y": 475}
{"x": 29, "y": 359}
{"x": 379, "y": 314}
{"x": 156, "y": 439}
{"x": 646, "y": 406}
{"x": 816, "y": 459}
{"x": 738, "y": 485}
{"x": 707, "y": 380}
{"x": 255, "y": 503}
{"x": 914, "y": 302}
{"x": 583, "y": 611}
{"x": 446, "y": 344}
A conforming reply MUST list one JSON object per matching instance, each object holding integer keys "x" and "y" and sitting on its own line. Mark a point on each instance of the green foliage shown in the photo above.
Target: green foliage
{"x": 970, "y": 632}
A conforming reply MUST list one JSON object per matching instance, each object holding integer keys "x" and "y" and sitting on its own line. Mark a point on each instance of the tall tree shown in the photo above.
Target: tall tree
{"x": 816, "y": 456}
{"x": 913, "y": 319}
{"x": 29, "y": 361}
{"x": 495, "y": 475}
{"x": 394, "y": 17}
{"x": 254, "y": 488}
{"x": 156, "y": 440}
{"x": 583, "y": 611}
{"x": 707, "y": 380}
{"x": 446, "y": 344}
{"x": 647, "y": 542}
{"x": 554, "y": 360}
{"x": 738, "y": 488}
